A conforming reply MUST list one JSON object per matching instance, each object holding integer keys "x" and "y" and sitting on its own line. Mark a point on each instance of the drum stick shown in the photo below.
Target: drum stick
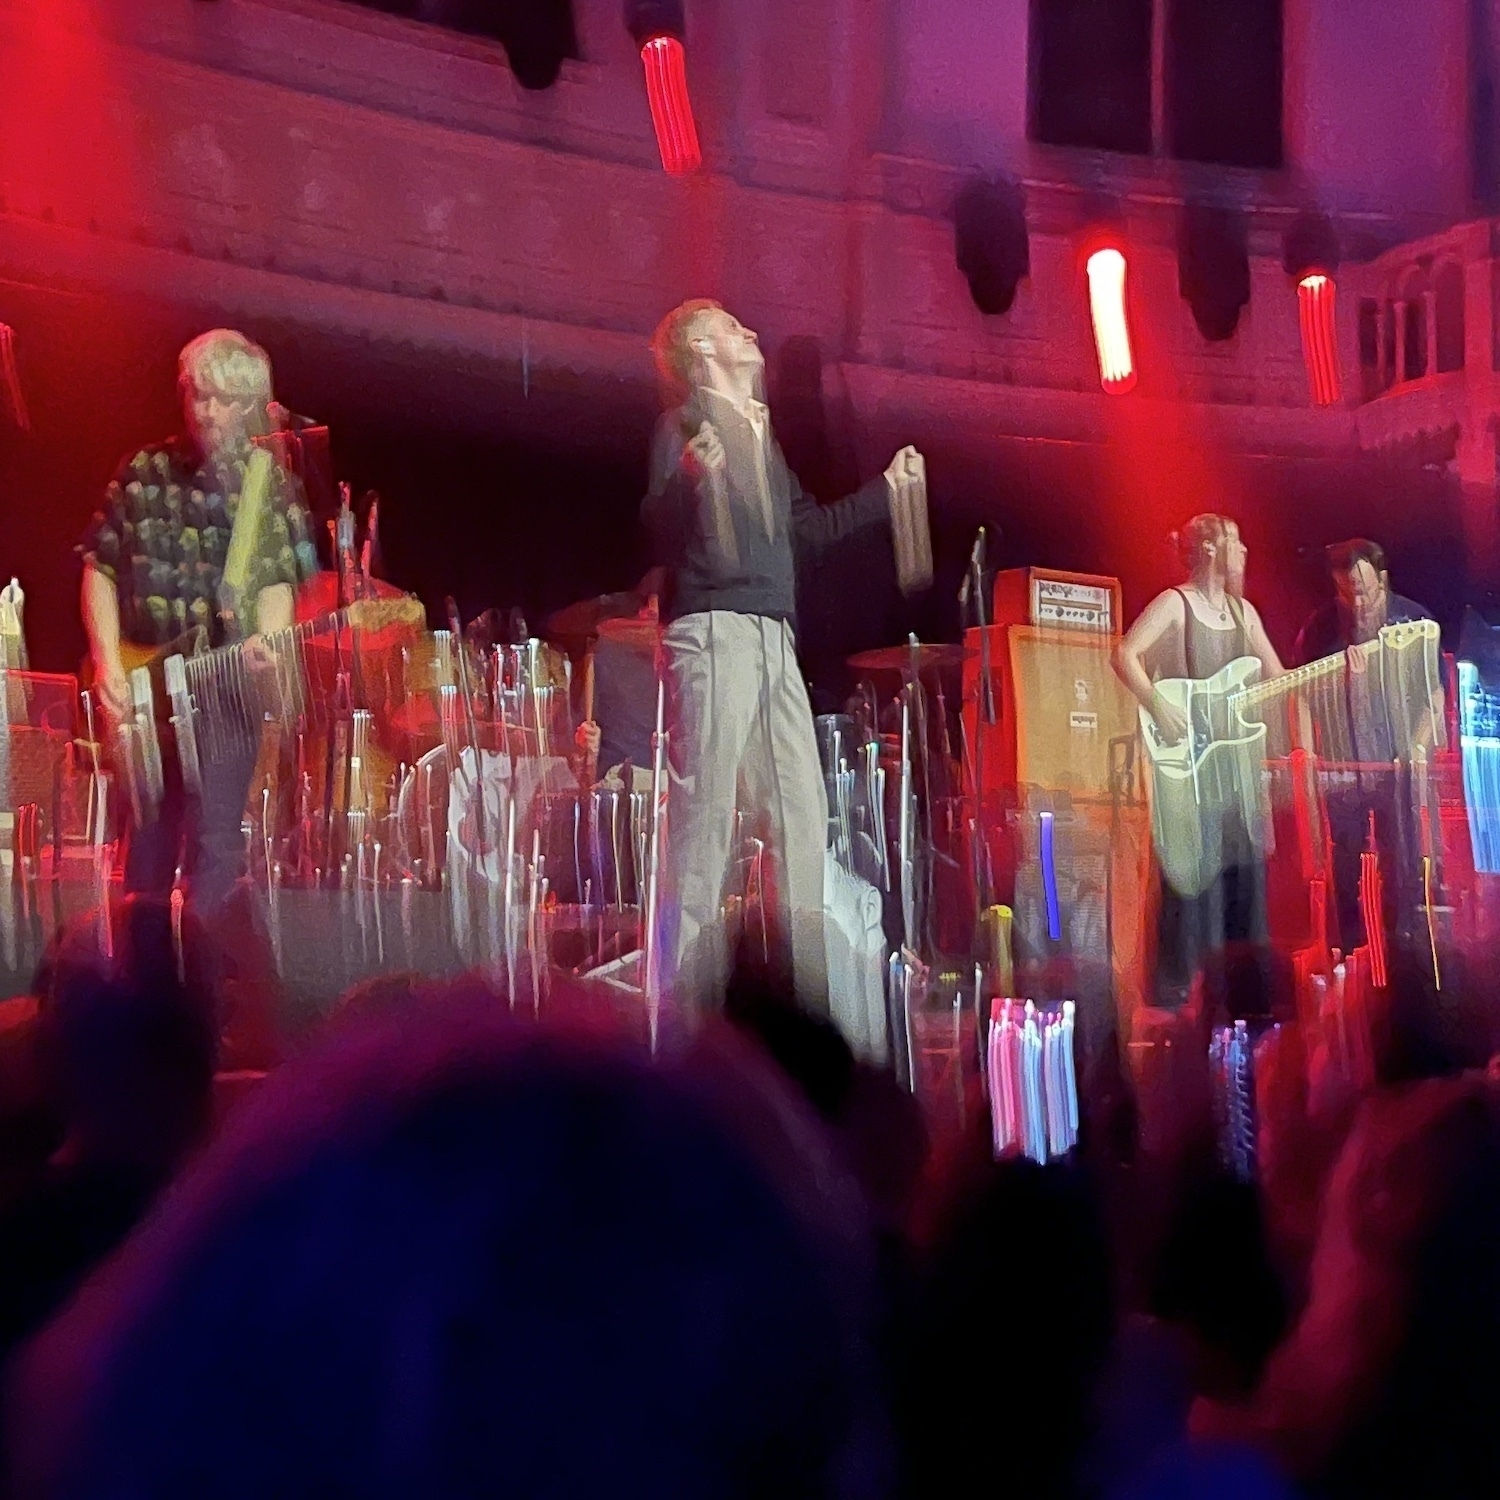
{"x": 588, "y": 686}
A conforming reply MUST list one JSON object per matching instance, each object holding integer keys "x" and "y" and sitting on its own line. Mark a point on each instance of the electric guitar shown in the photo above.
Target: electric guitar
{"x": 1208, "y": 789}
{"x": 214, "y": 702}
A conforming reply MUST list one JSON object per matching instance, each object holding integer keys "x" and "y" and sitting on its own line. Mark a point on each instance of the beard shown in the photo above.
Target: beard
{"x": 1368, "y": 622}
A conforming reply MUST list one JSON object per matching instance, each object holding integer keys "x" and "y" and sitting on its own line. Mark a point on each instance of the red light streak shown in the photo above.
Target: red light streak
{"x": 1106, "y": 272}
{"x": 671, "y": 108}
{"x": 1320, "y": 349}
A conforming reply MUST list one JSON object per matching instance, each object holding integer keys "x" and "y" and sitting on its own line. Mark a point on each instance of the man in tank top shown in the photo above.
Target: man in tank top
{"x": 1194, "y": 631}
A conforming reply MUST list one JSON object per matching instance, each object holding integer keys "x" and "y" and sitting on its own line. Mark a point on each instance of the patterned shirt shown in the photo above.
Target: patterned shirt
{"x": 163, "y": 534}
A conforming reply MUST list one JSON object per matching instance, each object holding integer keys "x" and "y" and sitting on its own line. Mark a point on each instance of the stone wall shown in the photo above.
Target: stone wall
{"x": 351, "y": 169}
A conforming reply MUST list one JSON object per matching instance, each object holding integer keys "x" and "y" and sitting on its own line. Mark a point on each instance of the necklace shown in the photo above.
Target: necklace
{"x": 1223, "y": 608}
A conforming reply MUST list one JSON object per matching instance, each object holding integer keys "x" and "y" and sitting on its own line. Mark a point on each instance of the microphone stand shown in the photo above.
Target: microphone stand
{"x": 342, "y": 716}
{"x": 471, "y": 728}
{"x": 984, "y": 717}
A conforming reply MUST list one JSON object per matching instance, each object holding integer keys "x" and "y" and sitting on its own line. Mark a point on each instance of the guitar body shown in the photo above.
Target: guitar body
{"x": 133, "y": 658}
{"x": 201, "y": 703}
{"x": 1206, "y": 792}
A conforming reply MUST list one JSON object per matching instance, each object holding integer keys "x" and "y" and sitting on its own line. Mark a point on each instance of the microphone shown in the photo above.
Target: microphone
{"x": 288, "y": 420}
{"x": 976, "y": 575}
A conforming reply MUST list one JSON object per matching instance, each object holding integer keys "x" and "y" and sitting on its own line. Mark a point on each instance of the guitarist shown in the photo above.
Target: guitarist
{"x": 154, "y": 571}
{"x": 1194, "y": 631}
{"x": 1363, "y": 604}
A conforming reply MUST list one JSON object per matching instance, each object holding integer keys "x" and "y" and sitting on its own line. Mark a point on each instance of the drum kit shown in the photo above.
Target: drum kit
{"x": 435, "y": 762}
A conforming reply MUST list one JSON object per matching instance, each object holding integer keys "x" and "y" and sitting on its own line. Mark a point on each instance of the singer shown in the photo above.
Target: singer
{"x": 729, "y": 521}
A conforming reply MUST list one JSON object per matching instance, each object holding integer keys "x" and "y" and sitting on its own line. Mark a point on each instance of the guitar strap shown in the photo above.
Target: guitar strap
{"x": 244, "y": 538}
{"x": 1237, "y": 611}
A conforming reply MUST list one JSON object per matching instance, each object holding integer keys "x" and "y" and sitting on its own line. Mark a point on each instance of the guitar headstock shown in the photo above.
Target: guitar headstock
{"x": 1401, "y": 635}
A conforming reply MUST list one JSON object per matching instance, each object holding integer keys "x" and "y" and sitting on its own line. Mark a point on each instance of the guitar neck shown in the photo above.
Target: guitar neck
{"x": 1288, "y": 682}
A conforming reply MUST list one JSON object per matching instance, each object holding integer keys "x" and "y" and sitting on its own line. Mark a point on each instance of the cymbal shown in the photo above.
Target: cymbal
{"x": 634, "y": 632}
{"x": 581, "y": 621}
{"x": 899, "y": 658}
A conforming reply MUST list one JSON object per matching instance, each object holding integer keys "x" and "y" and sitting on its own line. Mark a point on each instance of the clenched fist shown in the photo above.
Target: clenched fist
{"x": 907, "y": 468}
{"x": 588, "y": 738}
{"x": 907, "y": 480}
{"x": 704, "y": 453}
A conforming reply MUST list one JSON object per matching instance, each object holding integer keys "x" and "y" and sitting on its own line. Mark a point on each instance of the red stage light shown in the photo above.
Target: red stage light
{"x": 1320, "y": 347}
{"x": 671, "y": 108}
{"x": 1106, "y": 271}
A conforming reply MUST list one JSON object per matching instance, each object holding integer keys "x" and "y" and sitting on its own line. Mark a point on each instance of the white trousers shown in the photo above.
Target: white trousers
{"x": 741, "y": 739}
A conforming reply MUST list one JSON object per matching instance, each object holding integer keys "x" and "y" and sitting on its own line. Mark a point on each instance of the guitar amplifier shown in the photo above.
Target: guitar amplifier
{"x": 1084, "y": 602}
{"x": 1059, "y": 709}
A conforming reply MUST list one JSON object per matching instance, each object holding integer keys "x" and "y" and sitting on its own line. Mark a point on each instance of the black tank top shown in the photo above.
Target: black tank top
{"x": 1207, "y": 651}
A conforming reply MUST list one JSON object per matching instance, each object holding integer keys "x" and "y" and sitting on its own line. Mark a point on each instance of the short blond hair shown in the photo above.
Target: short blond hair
{"x": 227, "y": 364}
{"x": 672, "y": 345}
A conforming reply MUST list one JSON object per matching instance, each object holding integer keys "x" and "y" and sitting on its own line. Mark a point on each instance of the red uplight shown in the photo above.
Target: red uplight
{"x": 1106, "y": 272}
{"x": 1320, "y": 348}
{"x": 671, "y": 108}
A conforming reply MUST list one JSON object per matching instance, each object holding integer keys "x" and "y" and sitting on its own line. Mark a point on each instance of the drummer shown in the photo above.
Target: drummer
{"x": 618, "y": 728}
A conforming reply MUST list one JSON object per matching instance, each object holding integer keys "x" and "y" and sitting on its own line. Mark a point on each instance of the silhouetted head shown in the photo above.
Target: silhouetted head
{"x": 454, "y": 1255}
{"x": 1013, "y": 1329}
{"x": 1410, "y": 1245}
{"x": 128, "y": 1041}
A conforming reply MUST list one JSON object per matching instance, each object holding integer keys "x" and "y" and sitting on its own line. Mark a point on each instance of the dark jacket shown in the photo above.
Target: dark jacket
{"x": 715, "y": 548}
{"x": 1327, "y": 631}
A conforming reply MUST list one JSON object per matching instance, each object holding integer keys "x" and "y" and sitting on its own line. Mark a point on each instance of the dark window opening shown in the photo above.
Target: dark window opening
{"x": 1448, "y": 310}
{"x": 1090, "y": 74}
{"x": 1369, "y": 347}
{"x": 1415, "y": 361}
{"x": 1369, "y": 333}
{"x": 1223, "y": 82}
{"x": 538, "y": 35}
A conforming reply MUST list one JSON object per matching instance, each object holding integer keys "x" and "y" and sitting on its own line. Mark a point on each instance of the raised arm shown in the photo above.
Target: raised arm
{"x": 816, "y": 528}
{"x": 897, "y": 499}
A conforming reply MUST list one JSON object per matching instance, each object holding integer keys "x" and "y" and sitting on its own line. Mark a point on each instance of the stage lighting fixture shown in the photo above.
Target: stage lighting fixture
{"x": 659, "y": 29}
{"x": 990, "y": 241}
{"x": 1106, "y": 272}
{"x": 1311, "y": 259}
{"x": 1213, "y": 267}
